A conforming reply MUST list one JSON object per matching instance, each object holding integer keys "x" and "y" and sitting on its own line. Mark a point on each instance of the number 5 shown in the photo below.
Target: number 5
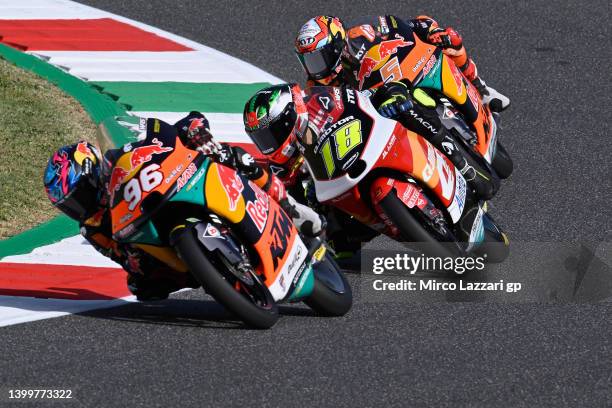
{"x": 391, "y": 71}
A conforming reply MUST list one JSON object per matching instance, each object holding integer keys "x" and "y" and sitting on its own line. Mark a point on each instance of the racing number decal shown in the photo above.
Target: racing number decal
{"x": 446, "y": 177}
{"x": 328, "y": 159}
{"x": 347, "y": 137}
{"x": 149, "y": 179}
{"x": 391, "y": 71}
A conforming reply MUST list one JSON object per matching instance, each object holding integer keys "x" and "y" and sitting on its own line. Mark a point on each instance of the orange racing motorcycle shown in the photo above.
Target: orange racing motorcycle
{"x": 201, "y": 217}
{"x": 404, "y": 57}
{"x": 393, "y": 180}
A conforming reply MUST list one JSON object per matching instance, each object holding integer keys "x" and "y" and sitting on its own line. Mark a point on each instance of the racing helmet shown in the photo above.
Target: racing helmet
{"x": 319, "y": 45}
{"x": 72, "y": 180}
{"x": 273, "y": 118}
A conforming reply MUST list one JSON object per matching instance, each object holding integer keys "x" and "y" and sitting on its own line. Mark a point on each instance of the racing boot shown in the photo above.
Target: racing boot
{"x": 307, "y": 221}
{"x": 497, "y": 101}
{"x": 480, "y": 183}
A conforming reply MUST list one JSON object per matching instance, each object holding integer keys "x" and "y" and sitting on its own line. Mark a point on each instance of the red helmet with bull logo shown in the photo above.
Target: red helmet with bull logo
{"x": 274, "y": 117}
{"x": 73, "y": 178}
{"x": 319, "y": 45}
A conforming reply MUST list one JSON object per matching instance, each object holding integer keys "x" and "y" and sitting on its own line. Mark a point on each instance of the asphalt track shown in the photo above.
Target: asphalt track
{"x": 552, "y": 59}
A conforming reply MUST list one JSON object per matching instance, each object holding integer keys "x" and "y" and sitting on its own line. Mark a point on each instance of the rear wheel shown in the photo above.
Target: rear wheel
{"x": 496, "y": 245}
{"x": 332, "y": 295}
{"x": 502, "y": 163}
{"x": 253, "y": 304}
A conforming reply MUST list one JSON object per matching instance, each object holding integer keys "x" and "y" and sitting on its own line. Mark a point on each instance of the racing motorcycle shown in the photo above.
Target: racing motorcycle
{"x": 396, "y": 182}
{"x": 424, "y": 66}
{"x": 201, "y": 217}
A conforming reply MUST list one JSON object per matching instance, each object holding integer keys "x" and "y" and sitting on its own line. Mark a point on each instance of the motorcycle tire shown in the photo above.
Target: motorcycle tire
{"x": 413, "y": 232}
{"x": 496, "y": 245}
{"x": 213, "y": 282}
{"x": 332, "y": 295}
{"x": 502, "y": 163}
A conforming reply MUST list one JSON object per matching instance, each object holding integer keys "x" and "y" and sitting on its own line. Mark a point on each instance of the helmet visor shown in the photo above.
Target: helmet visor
{"x": 81, "y": 201}
{"x": 320, "y": 63}
{"x": 270, "y": 138}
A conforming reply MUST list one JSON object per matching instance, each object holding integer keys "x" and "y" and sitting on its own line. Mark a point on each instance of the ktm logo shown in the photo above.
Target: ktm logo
{"x": 281, "y": 232}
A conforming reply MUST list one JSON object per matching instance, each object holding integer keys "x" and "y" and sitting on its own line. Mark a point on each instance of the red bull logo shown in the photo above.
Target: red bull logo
{"x": 83, "y": 148}
{"x": 365, "y": 69}
{"x": 137, "y": 157}
{"x": 197, "y": 124}
{"x": 258, "y": 209}
{"x": 118, "y": 175}
{"x": 143, "y": 154}
{"x": 389, "y": 47}
{"x": 232, "y": 184}
{"x": 83, "y": 152}
{"x": 385, "y": 49}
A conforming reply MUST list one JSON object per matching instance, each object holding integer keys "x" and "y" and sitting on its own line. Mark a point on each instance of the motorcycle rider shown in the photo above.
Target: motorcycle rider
{"x": 283, "y": 113}
{"x": 328, "y": 61}
{"x": 274, "y": 123}
{"x": 76, "y": 181}
{"x": 330, "y": 55}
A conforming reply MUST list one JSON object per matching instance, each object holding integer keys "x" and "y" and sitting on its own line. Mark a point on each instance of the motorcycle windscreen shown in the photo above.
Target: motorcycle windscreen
{"x": 139, "y": 169}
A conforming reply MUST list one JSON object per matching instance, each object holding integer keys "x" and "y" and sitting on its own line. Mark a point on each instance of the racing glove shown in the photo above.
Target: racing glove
{"x": 445, "y": 38}
{"x": 452, "y": 44}
{"x": 392, "y": 99}
{"x": 194, "y": 132}
{"x": 240, "y": 160}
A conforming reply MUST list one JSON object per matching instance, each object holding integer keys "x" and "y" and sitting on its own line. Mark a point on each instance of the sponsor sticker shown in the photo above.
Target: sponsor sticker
{"x": 184, "y": 178}
{"x": 258, "y": 209}
{"x": 232, "y": 185}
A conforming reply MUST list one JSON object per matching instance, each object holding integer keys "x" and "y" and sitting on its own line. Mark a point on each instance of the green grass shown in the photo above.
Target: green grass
{"x": 35, "y": 119}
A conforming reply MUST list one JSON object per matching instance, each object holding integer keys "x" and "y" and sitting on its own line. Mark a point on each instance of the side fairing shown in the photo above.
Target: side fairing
{"x": 387, "y": 145}
{"x": 261, "y": 222}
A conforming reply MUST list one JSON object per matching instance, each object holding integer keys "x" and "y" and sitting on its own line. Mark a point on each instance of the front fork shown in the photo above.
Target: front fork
{"x": 413, "y": 196}
{"x": 217, "y": 241}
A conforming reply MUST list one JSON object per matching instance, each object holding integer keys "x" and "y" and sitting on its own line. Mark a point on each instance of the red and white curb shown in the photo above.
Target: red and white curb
{"x": 67, "y": 277}
{"x": 70, "y": 276}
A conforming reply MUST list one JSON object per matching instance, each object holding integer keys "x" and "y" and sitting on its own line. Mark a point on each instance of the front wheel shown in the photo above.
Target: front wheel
{"x": 435, "y": 240}
{"x": 502, "y": 162}
{"x": 254, "y": 305}
{"x": 331, "y": 295}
